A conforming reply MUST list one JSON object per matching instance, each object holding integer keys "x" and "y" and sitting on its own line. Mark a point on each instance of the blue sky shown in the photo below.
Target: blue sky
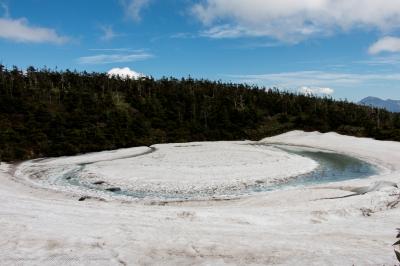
{"x": 347, "y": 49}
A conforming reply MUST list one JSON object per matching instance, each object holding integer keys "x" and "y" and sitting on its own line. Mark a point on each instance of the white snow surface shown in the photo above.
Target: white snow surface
{"x": 298, "y": 226}
{"x": 171, "y": 168}
{"x": 200, "y": 166}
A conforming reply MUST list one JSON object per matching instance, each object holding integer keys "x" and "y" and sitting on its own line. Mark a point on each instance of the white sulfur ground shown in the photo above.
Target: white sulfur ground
{"x": 288, "y": 227}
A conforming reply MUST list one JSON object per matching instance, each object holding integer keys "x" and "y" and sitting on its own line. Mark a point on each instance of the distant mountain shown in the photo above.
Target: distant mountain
{"x": 390, "y": 105}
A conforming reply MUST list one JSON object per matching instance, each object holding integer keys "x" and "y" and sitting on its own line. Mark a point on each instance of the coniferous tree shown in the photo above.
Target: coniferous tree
{"x": 53, "y": 113}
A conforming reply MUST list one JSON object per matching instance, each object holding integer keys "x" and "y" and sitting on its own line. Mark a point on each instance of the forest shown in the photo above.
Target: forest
{"x": 46, "y": 113}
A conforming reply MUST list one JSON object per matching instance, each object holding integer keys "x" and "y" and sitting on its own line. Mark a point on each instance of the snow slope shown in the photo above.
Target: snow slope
{"x": 299, "y": 226}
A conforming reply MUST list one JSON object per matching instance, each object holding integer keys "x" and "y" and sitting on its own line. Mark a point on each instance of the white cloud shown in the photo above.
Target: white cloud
{"x": 386, "y": 44}
{"x": 133, "y": 8}
{"x": 319, "y": 79}
{"x": 294, "y": 20}
{"x": 387, "y": 60}
{"x": 315, "y": 91}
{"x": 20, "y": 31}
{"x": 114, "y": 58}
{"x": 315, "y": 78}
{"x": 184, "y": 35}
{"x": 108, "y": 33}
{"x": 115, "y": 50}
{"x": 125, "y": 72}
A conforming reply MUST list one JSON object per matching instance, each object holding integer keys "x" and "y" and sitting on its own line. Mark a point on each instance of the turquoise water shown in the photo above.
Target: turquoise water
{"x": 333, "y": 167}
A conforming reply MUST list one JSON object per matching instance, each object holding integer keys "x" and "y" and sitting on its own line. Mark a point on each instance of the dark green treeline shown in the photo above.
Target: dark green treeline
{"x": 51, "y": 113}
